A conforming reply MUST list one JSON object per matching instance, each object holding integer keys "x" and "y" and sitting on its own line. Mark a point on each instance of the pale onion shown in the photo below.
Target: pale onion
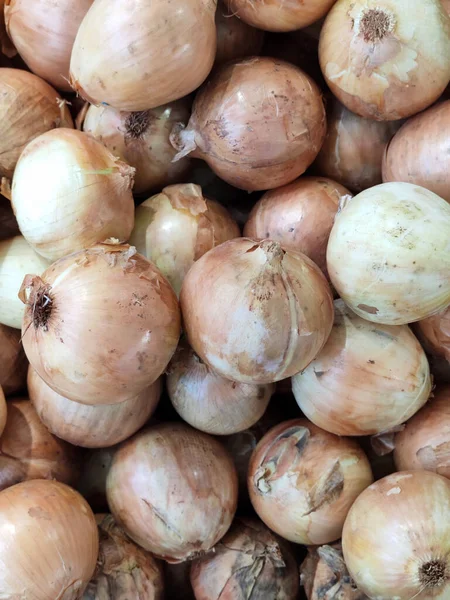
{"x": 229, "y": 299}
{"x": 91, "y": 426}
{"x": 69, "y": 192}
{"x": 396, "y": 538}
{"x": 249, "y": 562}
{"x": 303, "y": 480}
{"x": 299, "y": 216}
{"x": 135, "y": 55}
{"x": 92, "y": 481}
{"x": 8, "y": 222}
{"x": 388, "y": 253}
{"x": 434, "y": 333}
{"x": 3, "y": 410}
{"x": 49, "y": 542}
{"x": 13, "y": 362}
{"x": 235, "y": 39}
{"x": 258, "y": 123}
{"x": 174, "y": 491}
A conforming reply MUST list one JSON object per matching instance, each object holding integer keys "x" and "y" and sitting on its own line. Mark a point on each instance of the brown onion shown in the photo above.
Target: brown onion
{"x": 303, "y": 480}
{"x": 230, "y": 297}
{"x": 92, "y": 481}
{"x": 235, "y": 39}
{"x": 258, "y": 123}
{"x": 434, "y": 333}
{"x": 13, "y": 362}
{"x": 174, "y": 491}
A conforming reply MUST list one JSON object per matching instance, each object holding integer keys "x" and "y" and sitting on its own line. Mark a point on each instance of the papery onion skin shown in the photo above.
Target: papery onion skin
{"x": 231, "y": 325}
{"x": 375, "y": 66}
{"x": 174, "y": 491}
{"x": 13, "y": 362}
{"x": 388, "y": 254}
{"x": 434, "y": 334}
{"x": 303, "y": 480}
{"x": 235, "y": 39}
{"x": 167, "y": 53}
{"x": 258, "y": 123}
{"x": 52, "y": 523}
{"x": 64, "y": 333}
{"x": 92, "y": 481}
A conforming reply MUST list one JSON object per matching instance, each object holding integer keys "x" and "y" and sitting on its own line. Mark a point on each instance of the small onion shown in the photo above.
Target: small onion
{"x": 92, "y": 481}
{"x": 388, "y": 254}
{"x": 258, "y": 123}
{"x": 173, "y": 490}
{"x": 377, "y": 58}
{"x": 235, "y": 39}
{"x": 434, "y": 333}
{"x": 302, "y": 481}
{"x": 13, "y": 362}
{"x": 229, "y": 299}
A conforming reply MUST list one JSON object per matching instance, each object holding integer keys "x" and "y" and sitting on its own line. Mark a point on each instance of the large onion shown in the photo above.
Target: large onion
{"x": 254, "y": 312}
{"x": 92, "y": 481}
{"x": 388, "y": 254}
{"x": 259, "y": 123}
{"x": 101, "y": 325}
{"x": 377, "y": 58}
{"x": 136, "y": 55}
{"x": 434, "y": 333}
{"x": 13, "y": 362}
{"x": 235, "y": 39}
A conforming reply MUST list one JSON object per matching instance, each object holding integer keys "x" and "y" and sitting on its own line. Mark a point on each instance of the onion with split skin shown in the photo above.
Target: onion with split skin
{"x": 13, "y": 362}
{"x": 235, "y": 39}
{"x": 434, "y": 334}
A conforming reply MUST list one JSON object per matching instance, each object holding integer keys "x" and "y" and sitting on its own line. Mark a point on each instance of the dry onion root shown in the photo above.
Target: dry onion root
{"x": 235, "y": 39}
{"x": 434, "y": 334}
{"x": 13, "y": 362}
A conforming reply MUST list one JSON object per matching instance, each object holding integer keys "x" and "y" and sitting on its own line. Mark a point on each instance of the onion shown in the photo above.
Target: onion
{"x": 302, "y": 481}
{"x": 176, "y": 227}
{"x": 434, "y": 333}
{"x": 173, "y": 490}
{"x": 404, "y": 520}
{"x": 13, "y": 362}
{"x": 64, "y": 333}
{"x": 235, "y": 39}
{"x": 136, "y": 55}
{"x": 49, "y": 541}
{"x": 388, "y": 254}
{"x": 250, "y": 561}
{"x": 377, "y": 58}
{"x": 91, "y": 426}
{"x": 258, "y": 123}
{"x": 92, "y": 481}
{"x": 229, "y": 299}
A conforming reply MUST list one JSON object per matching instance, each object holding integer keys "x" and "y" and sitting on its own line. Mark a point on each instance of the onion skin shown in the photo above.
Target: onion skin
{"x": 303, "y": 480}
{"x": 173, "y": 490}
{"x": 235, "y": 39}
{"x": 253, "y": 138}
{"x": 434, "y": 334}
{"x": 13, "y": 362}
{"x": 92, "y": 481}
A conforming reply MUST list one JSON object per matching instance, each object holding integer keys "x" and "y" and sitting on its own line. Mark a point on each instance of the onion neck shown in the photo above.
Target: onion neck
{"x": 36, "y": 294}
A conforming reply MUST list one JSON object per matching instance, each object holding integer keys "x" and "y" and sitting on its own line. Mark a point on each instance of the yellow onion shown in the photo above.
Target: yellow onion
{"x": 91, "y": 426}
{"x": 235, "y": 39}
{"x": 13, "y": 362}
{"x": 377, "y": 58}
{"x": 49, "y": 541}
{"x": 258, "y": 123}
{"x": 69, "y": 192}
{"x": 92, "y": 481}
{"x": 388, "y": 253}
{"x": 229, "y": 300}
{"x": 174, "y": 491}
{"x": 101, "y": 325}
{"x": 176, "y": 227}
{"x": 135, "y": 55}
{"x": 396, "y": 538}
{"x": 434, "y": 333}
{"x": 303, "y": 480}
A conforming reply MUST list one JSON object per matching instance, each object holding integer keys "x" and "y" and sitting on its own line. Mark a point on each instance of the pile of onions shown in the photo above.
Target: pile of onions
{"x": 388, "y": 254}
{"x": 49, "y": 541}
{"x": 13, "y": 362}
{"x": 92, "y": 481}
{"x": 258, "y": 123}
{"x": 396, "y": 538}
{"x": 229, "y": 299}
{"x": 176, "y": 227}
{"x": 173, "y": 490}
{"x": 434, "y": 333}
{"x": 91, "y": 426}
{"x": 101, "y": 325}
{"x": 250, "y": 561}
{"x": 235, "y": 39}
{"x": 165, "y": 52}
{"x": 69, "y": 192}
{"x": 303, "y": 480}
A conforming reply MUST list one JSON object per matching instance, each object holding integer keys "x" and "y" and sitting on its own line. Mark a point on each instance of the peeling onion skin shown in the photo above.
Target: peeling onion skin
{"x": 235, "y": 39}
{"x": 388, "y": 254}
{"x": 303, "y": 480}
{"x": 92, "y": 481}
{"x": 250, "y": 284}
{"x": 13, "y": 362}
{"x": 258, "y": 123}
{"x": 55, "y": 524}
{"x": 434, "y": 334}
{"x": 174, "y": 491}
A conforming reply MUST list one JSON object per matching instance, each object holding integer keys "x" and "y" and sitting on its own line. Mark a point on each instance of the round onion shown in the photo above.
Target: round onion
{"x": 229, "y": 299}
{"x": 434, "y": 333}
{"x": 258, "y": 123}
{"x": 136, "y": 55}
{"x": 235, "y": 39}
{"x": 174, "y": 490}
{"x": 249, "y": 557}
{"x": 64, "y": 333}
{"x": 92, "y": 481}
{"x": 302, "y": 481}
{"x": 49, "y": 541}
{"x": 91, "y": 426}
{"x": 13, "y": 362}
{"x": 176, "y": 227}
{"x": 388, "y": 254}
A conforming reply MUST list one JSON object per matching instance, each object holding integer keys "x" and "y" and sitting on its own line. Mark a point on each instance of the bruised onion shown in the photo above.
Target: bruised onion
{"x": 434, "y": 333}
{"x": 303, "y": 480}
{"x": 13, "y": 362}
{"x": 101, "y": 325}
{"x": 174, "y": 491}
{"x": 235, "y": 39}
{"x": 258, "y": 123}
{"x": 92, "y": 481}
